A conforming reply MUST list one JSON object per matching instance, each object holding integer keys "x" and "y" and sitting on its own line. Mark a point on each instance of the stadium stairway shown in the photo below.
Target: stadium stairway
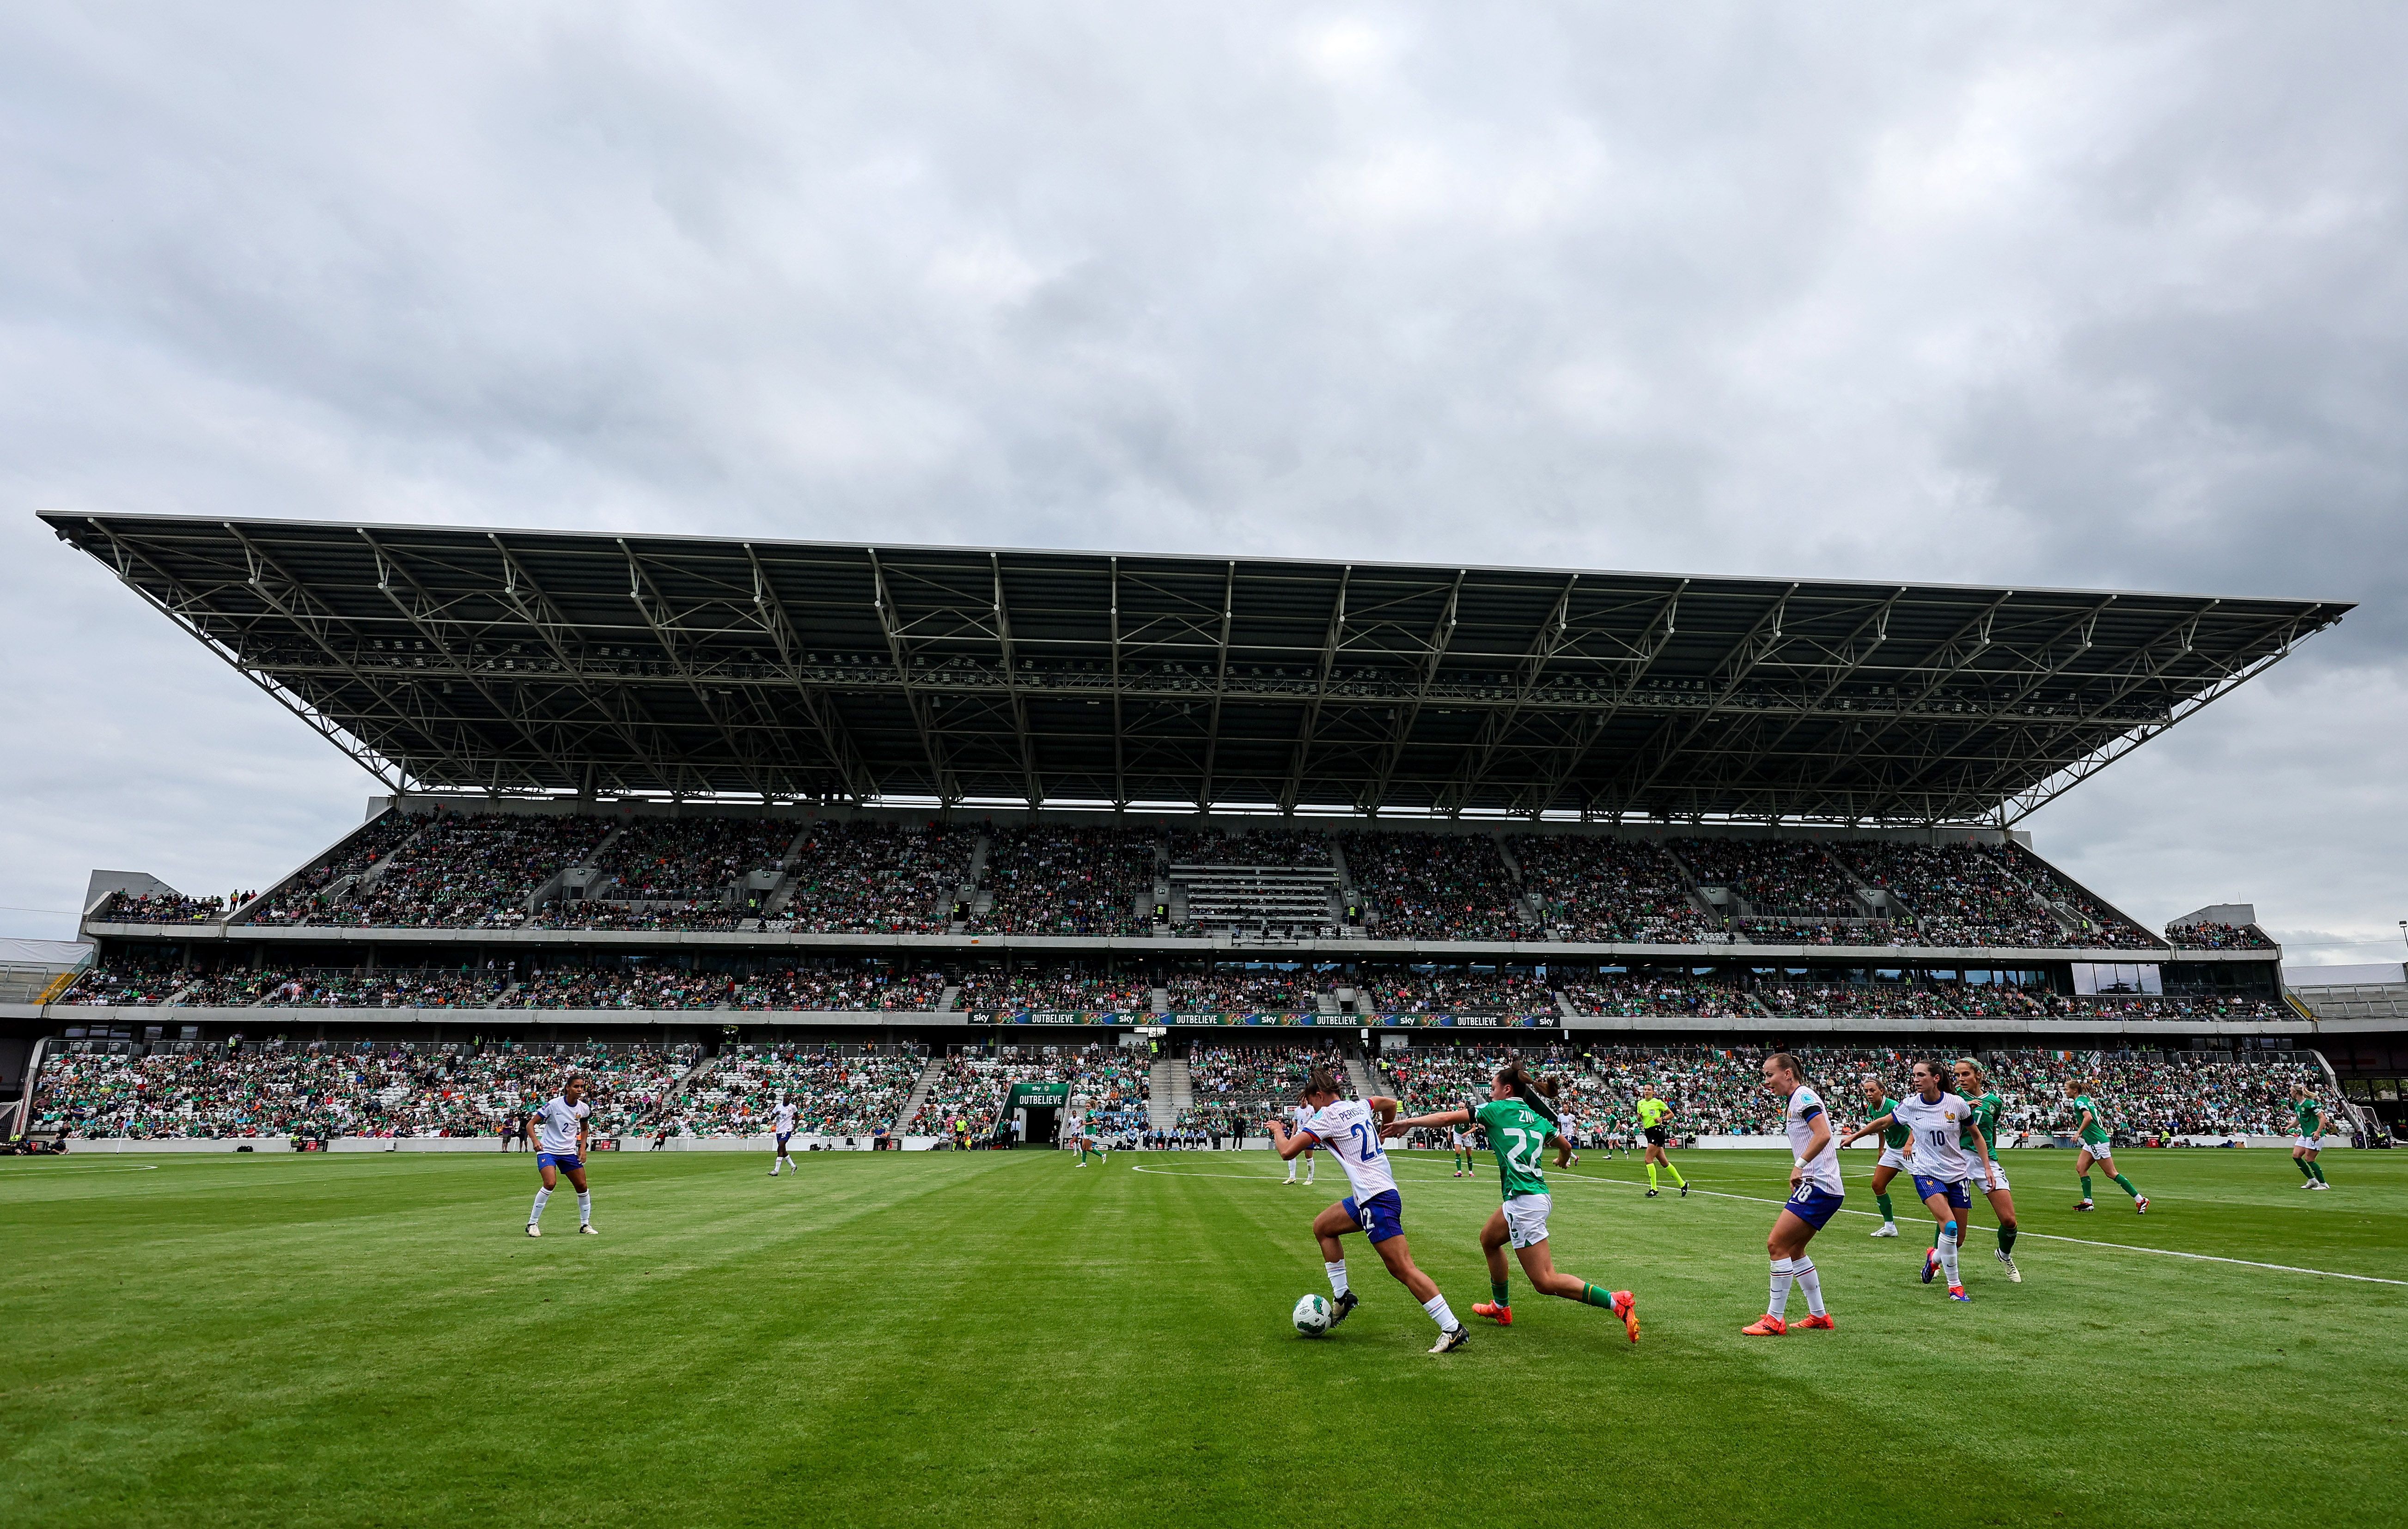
{"x": 1170, "y": 1089}
{"x": 911, "y": 1110}
{"x": 1359, "y": 1075}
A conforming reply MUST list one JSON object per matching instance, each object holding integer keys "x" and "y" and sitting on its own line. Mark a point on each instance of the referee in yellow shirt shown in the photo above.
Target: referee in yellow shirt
{"x": 1652, "y": 1113}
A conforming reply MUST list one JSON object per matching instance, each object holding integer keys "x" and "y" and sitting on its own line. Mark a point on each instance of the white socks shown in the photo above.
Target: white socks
{"x": 1783, "y": 1271}
{"x": 542, "y": 1197}
{"x": 1809, "y": 1282}
{"x": 1948, "y": 1252}
{"x": 1337, "y": 1276}
{"x": 1436, "y": 1306}
{"x": 584, "y": 1207}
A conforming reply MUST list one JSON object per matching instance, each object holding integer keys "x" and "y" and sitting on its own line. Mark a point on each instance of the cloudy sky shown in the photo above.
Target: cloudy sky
{"x": 2097, "y": 294}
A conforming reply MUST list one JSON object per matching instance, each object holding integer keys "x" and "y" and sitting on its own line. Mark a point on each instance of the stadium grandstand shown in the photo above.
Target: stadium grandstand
{"x": 931, "y": 840}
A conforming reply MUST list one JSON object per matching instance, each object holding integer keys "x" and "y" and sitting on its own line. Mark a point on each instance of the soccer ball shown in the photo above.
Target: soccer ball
{"x": 1311, "y": 1315}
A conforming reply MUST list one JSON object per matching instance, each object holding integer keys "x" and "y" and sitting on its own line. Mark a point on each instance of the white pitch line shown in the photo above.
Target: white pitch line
{"x": 1758, "y": 1199}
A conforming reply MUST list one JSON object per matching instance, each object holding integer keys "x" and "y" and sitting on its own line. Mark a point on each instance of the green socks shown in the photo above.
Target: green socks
{"x": 2007, "y": 1240}
{"x": 2320, "y": 1168}
{"x": 2125, "y": 1185}
{"x": 1496, "y": 1291}
{"x": 1883, "y": 1201}
{"x": 2307, "y": 1169}
{"x": 2085, "y": 1186}
{"x": 1595, "y": 1296}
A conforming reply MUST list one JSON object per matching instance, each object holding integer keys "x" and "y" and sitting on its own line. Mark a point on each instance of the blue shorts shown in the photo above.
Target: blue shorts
{"x": 1957, "y": 1197}
{"x": 565, "y": 1162}
{"x": 1814, "y": 1206}
{"x": 1381, "y": 1217}
{"x": 784, "y": 1138}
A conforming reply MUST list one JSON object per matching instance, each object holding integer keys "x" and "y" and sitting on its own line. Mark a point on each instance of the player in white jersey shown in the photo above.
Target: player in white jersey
{"x": 1942, "y": 1123}
{"x": 1074, "y": 1131}
{"x": 1814, "y": 1197}
{"x": 558, "y": 1132}
{"x": 1296, "y": 1116}
{"x": 781, "y": 1121}
{"x": 1350, "y": 1128}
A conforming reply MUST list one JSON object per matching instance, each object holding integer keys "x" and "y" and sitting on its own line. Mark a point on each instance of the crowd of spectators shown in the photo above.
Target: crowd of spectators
{"x": 296, "y": 902}
{"x": 1067, "y": 992}
{"x": 1824, "y": 1000}
{"x": 370, "y": 1090}
{"x": 870, "y": 878}
{"x": 1070, "y": 881}
{"x": 2102, "y": 927}
{"x": 840, "y": 985}
{"x": 1638, "y": 994}
{"x": 158, "y": 908}
{"x": 1609, "y": 890}
{"x": 2166, "y": 1007}
{"x": 1455, "y": 992}
{"x": 1790, "y": 877}
{"x": 2219, "y": 936}
{"x": 386, "y": 987}
{"x": 1959, "y": 894}
{"x": 128, "y": 983}
{"x": 467, "y": 871}
{"x": 1243, "y": 993}
{"x": 1253, "y": 1081}
{"x": 1432, "y": 886}
{"x": 645, "y": 986}
{"x": 835, "y": 1093}
{"x": 1281, "y": 847}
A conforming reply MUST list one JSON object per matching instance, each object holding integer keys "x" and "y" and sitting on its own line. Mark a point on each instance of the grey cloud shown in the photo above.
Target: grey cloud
{"x": 2075, "y": 295}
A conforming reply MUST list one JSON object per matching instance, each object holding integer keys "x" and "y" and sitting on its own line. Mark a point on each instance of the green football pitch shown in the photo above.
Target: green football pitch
{"x": 1006, "y": 1338}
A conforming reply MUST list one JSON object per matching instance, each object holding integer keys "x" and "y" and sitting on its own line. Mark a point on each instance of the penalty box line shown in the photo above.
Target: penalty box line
{"x": 2050, "y": 1237}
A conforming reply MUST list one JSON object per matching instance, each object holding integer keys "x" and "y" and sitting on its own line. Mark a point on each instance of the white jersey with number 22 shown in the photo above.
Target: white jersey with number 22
{"x": 1349, "y": 1129}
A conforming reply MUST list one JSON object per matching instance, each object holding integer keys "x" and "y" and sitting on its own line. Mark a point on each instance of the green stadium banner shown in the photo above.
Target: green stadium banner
{"x": 1038, "y": 1095}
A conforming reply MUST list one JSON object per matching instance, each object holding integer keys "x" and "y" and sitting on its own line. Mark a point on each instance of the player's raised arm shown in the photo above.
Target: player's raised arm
{"x": 1288, "y": 1145}
{"x": 1391, "y": 1128}
{"x": 1867, "y": 1129}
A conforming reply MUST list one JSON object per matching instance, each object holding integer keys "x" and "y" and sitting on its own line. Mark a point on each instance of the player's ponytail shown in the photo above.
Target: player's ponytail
{"x": 1513, "y": 1076}
{"x": 1322, "y": 1080}
{"x": 1788, "y": 1063}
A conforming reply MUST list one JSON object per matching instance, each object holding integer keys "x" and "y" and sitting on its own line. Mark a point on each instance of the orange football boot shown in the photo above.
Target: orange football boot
{"x": 1767, "y": 1326}
{"x": 1823, "y": 1322}
{"x": 1625, "y": 1305}
{"x": 1495, "y": 1312}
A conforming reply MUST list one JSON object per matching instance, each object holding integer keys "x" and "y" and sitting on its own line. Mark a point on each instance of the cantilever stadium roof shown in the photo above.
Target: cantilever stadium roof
{"x": 543, "y": 661}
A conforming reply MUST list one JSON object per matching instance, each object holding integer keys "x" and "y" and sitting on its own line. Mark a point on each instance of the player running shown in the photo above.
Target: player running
{"x": 1974, "y": 1084}
{"x": 1894, "y": 1161}
{"x": 1814, "y": 1195}
{"x": 1520, "y": 1121}
{"x": 558, "y": 1132}
{"x": 2098, "y": 1145}
{"x": 1652, "y": 1112}
{"x": 2313, "y": 1122}
{"x": 1942, "y": 1123}
{"x": 1297, "y": 1114}
{"x": 781, "y": 1121}
{"x": 1072, "y": 1127}
{"x": 1350, "y": 1128}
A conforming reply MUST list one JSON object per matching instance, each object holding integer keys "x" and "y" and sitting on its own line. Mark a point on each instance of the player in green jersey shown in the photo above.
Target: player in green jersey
{"x": 2313, "y": 1122}
{"x": 1974, "y": 1084}
{"x": 1521, "y": 1122}
{"x": 2098, "y": 1145}
{"x": 1898, "y": 1142}
{"x": 1652, "y": 1112}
